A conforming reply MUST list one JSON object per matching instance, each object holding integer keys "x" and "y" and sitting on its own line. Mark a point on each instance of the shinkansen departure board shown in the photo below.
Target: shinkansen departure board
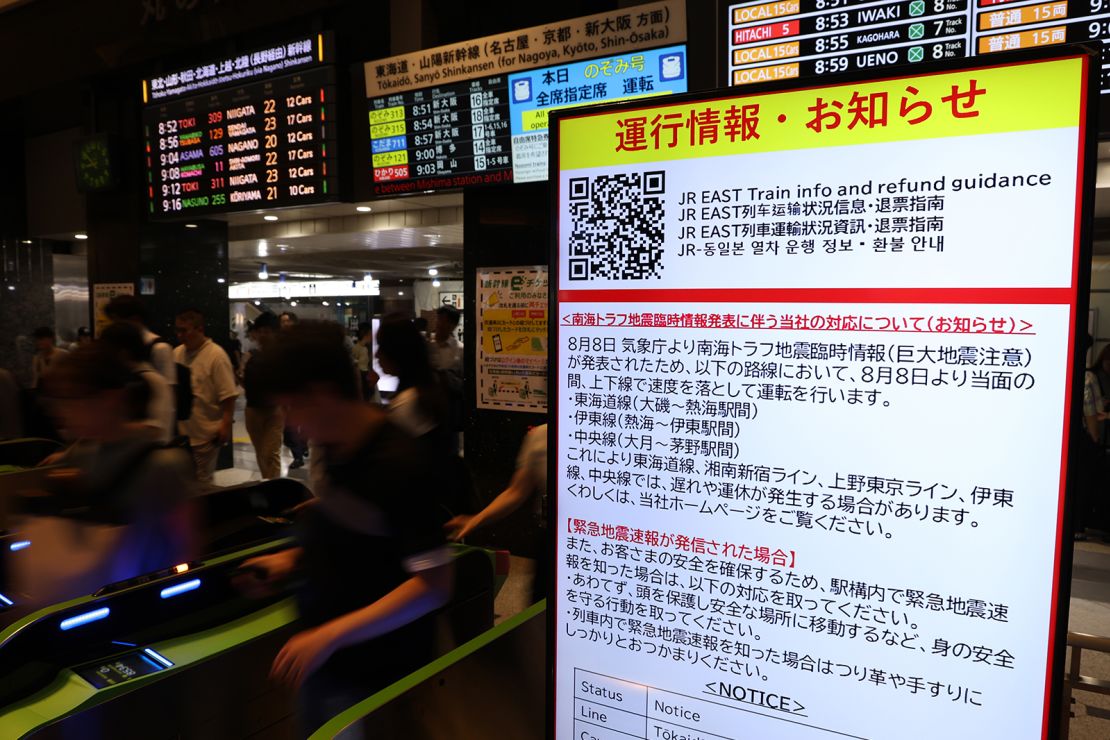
{"x": 446, "y": 136}
{"x": 785, "y": 39}
{"x": 267, "y": 144}
{"x": 475, "y": 112}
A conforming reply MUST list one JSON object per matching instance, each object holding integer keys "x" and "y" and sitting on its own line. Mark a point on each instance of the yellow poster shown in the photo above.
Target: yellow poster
{"x": 512, "y": 339}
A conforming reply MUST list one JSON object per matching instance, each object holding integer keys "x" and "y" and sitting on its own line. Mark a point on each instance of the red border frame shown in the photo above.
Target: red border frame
{"x": 1001, "y": 296}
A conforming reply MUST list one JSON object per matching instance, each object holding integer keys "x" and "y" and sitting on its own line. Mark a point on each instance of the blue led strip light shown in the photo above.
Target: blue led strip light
{"x": 20, "y": 545}
{"x": 80, "y": 619}
{"x": 158, "y": 656}
{"x": 5, "y": 600}
{"x": 180, "y": 588}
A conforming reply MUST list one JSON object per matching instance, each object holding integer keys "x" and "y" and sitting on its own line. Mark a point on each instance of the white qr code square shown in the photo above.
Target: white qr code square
{"x": 617, "y": 229}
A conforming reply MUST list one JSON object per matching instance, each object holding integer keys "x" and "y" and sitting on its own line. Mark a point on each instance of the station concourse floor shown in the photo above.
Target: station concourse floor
{"x": 1090, "y": 613}
{"x": 1090, "y": 598}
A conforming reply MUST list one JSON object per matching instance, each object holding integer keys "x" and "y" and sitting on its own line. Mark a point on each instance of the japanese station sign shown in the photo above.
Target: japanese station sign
{"x": 813, "y": 369}
{"x": 475, "y": 112}
{"x": 640, "y": 27}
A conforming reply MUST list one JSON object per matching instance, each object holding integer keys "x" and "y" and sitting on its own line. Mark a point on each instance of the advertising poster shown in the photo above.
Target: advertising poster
{"x": 103, "y": 293}
{"x": 813, "y": 370}
{"x": 512, "y": 339}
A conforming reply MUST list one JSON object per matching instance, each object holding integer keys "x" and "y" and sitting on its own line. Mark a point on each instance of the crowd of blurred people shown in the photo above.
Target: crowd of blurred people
{"x": 143, "y": 420}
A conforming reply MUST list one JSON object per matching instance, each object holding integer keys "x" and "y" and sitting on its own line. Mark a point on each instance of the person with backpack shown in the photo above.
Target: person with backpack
{"x": 214, "y": 392}
{"x": 132, "y": 310}
{"x": 158, "y": 412}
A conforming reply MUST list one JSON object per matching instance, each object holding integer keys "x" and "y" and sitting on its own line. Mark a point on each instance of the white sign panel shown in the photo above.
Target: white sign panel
{"x": 811, "y": 400}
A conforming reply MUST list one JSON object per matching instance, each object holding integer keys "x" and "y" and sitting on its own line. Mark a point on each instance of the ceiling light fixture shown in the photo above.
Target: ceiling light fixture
{"x": 433, "y": 271}
{"x": 269, "y": 218}
{"x": 221, "y": 281}
{"x": 82, "y": 237}
{"x": 326, "y": 303}
{"x": 263, "y": 273}
{"x": 190, "y": 226}
{"x": 436, "y": 283}
{"x": 363, "y": 209}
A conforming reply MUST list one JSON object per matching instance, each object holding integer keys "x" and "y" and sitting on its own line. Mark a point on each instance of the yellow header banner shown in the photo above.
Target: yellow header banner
{"x": 1017, "y": 97}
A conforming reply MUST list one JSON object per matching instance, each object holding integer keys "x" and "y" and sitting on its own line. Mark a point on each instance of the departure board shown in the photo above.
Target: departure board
{"x": 447, "y": 136}
{"x": 785, "y": 39}
{"x": 475, "y": 112}
{"x": 265, "y": 145}
{"x": 494, "y": 129}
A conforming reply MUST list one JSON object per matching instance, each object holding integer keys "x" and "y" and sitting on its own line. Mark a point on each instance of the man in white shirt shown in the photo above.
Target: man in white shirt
{"x": 131, "y": 309}
{"x": 445, "y": 352}
{"x": 214, "y": 392}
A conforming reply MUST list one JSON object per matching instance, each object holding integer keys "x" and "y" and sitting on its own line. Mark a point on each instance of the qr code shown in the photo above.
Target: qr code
{"x": 617, "y": 226}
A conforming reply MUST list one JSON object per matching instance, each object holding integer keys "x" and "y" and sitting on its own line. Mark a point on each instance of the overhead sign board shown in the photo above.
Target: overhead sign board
{"x": 475, "y": 113}
{"x": 258, "y": 131}
{"x": 769, "y": 41}
{"x": 813, "y": 376}
{"x": 629, "y": 29}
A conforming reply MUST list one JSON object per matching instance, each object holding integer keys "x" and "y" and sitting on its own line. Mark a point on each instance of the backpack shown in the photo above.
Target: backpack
{"x": 183, "y": 387}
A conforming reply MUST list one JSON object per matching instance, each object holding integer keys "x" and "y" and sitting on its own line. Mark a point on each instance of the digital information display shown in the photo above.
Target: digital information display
{"x": 475, "y": 112}
{"x": 534, "y": 94}
{"x": 811, "y": 410}
{"x": 264, "y": 145}
{"x": 494, "y": 129}
{"x": 785, "y": 39}
{"x": 120, "y": 669}
{"x": 441, "y": 137}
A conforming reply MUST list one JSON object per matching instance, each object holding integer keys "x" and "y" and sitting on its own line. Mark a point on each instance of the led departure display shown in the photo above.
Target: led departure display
{"x": 475, "y": 112}
{"x": 780, "y": 40}
{"x": 264, "y": 145}
{"x": 441, "y": 137}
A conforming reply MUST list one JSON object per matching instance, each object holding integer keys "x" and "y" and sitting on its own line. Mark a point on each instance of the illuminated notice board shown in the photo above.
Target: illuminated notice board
{"x": 267, "y": 144}
{"x": 494, "y": 129}
{"x": 809, "y": 412}
{"x": 785, "y": 39}
{"x": 475, "y": 112}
